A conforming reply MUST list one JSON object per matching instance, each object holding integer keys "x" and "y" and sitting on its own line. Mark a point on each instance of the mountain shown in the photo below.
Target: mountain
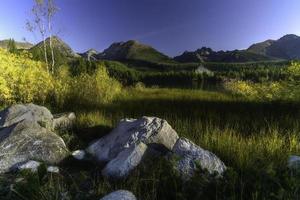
{"x": 90, "y": 55}
{"x": 208, "y": 55}
{"x": 133, "y": 51}
{"x": 287, "y": 47}
{"x": 61, "y": 49}
{"x": 260, "y": 48}
{"x": 19, "y": 45}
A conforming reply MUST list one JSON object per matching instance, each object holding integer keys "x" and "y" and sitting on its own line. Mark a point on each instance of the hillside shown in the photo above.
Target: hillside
{"x": 62, "y": 50}
{"x": 19, "y": 45}
{"x": 287, "y": 47}
{"x": 208, "y": 55}
{"x": 133, "y": 51}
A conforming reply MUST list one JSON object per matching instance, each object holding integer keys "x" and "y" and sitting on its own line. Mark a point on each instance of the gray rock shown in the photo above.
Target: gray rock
{"x": 79, "y": 154}
{"x": 28, "y": 112}
{"x": 28, "y": 140}
{"x": 149, "y": 130}
{"x": 64, "y": 121}
{"x": 119, "y": 195}
{"x": 192, "y": 156}
{"x": 126, "y": 161}
{"x": 30, "y": 165}
{"x": 294, "y": 162}
{"x": 33, "y": 166}
{"x": 53, "y": 169}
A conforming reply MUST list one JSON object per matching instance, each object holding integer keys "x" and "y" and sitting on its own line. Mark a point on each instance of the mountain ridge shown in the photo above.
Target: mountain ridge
{"x": 19, "y": 45}
{"x": 285, "y": 48}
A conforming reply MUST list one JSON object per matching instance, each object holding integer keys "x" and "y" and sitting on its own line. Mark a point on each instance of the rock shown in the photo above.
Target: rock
{"x": 149, "y": 130}
{"x": 27, "y": 140}
{"x": 53, "y": 169}
{"x": 64, "y": 121}
{"x": 192, "y": 155}
{"x": 29, "y": 112}
{"x": 79, "y": 154}
{"x": 119, "y": 195}
{"x": 294, "y": 162}
{"x": 33, "y": 166}
{"x": 30, "y": 165}
{"x": 126, "y": 161}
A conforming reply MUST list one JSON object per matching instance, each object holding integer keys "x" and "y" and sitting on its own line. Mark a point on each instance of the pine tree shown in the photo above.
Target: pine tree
{"x": 11, "y": 46}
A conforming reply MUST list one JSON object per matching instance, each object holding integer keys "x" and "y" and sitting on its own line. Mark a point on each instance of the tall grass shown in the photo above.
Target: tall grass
{"x": 254, "y": 139}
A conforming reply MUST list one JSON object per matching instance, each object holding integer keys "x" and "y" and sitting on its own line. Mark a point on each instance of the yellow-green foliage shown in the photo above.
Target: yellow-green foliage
{"x": 294, "y": 70}
{"x": 283, "y": 90}
{"x": 256, "y": 91}
{"x": 63, "y": 82}
{"x": 22, "y": 79}
{"x": 94, "y": 89}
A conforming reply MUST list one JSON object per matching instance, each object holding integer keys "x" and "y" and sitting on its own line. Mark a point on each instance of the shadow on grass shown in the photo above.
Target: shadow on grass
{"x": 88, "y": 134}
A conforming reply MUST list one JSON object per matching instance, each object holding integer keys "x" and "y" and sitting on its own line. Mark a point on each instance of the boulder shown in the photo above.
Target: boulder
{"x": 149, "y": 130}
{"x": 119, "y": 195}
{"x": 125, "y": 161}
{"x": 192, "y": 156}
{"x": 26, "y": 133}
{"x": 294, "y": 162}
{"x": 28, "y": 112}
{"x": 64, "y": 121}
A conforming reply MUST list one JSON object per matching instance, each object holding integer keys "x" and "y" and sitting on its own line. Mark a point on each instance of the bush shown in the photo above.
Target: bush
{"x": 256, "y": 91}
{"x": 92, "y": 90}
{"x": 22, "y": 79}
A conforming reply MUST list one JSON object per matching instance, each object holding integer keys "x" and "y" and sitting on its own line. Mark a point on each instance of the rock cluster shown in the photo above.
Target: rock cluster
{"x": 27, "y": 134}
{"x": 27, "y": 138}
{"x": 127, "y": 145}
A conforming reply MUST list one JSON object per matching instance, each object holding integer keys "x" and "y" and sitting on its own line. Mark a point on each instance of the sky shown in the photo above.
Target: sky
{"x": 171, "y": 26}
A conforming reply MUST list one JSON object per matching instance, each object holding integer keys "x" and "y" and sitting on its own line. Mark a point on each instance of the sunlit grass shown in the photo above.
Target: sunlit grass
{"x": 254, "y": 139}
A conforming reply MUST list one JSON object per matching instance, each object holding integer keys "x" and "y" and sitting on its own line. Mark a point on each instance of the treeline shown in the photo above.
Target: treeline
{"x": 185, "y": 79}
{"x": 255, "y": 72}
{"x": 181, "y": 77}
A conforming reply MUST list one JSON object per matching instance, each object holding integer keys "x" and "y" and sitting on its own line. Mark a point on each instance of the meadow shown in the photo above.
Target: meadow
{"x": 254, "y": 137}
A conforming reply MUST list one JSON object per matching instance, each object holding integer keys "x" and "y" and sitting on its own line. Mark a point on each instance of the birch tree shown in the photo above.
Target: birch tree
{"x": 51, "y": 10}
{"x": 43, "y": 12}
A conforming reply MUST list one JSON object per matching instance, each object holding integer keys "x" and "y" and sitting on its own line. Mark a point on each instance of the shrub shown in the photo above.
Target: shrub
{"x": 92, "y": 90}
{"x": 257, "y": 91}
{"x": 22, "y": 79}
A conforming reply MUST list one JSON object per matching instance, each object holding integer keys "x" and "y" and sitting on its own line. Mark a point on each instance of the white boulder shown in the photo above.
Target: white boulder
{"x": 119, "y": 195}
{"x": 192, "y": 156}
{"x": 149, "y": 130}
{"x": 126, "y": 161}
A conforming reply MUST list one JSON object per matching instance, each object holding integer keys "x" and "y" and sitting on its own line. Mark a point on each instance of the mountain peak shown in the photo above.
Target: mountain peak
{"x": 133, "y": 50}
{"x": 58, "y": 45}
{"x": 289, "y": 37}
{"x": 287, "y": 47}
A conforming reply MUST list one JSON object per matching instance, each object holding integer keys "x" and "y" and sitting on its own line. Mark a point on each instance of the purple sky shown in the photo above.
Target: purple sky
{"x": 170, "y": 26}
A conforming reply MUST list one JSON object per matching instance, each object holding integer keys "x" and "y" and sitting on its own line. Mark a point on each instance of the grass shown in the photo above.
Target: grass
{"x": 254, "y": 139}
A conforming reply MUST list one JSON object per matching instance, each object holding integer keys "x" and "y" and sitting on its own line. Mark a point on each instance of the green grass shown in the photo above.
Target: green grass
{"x": 254, "y": 139}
